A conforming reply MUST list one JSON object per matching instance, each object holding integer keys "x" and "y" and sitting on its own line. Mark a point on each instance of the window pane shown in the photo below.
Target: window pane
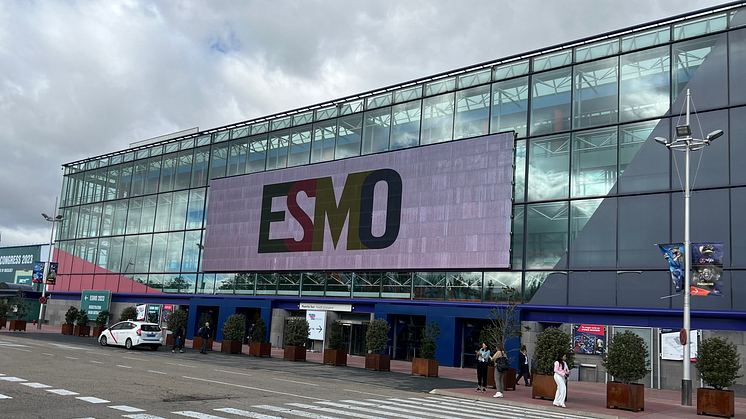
{"x": 597, "y": 50}
{"x": 367, "y": 285}
{"x": 534, "y": 281}
{"x": 348, "y": 142}
{"x": 351, "y": 107}
{"x": 158, "y": 256}
{"x": 237, "y": 155}
{"x": 429, "y": 285}
{"x": 184, "y": 174}
{"x": 142, "y": 261}
{"x": 644, "y": 92}
{"x": 206, "y": 284}
{"x": 190, "y": 261}
{"x": 129, "y": 256}
{"x": 201, "y": 165}
{"x": 153, "y": 176}
{"x": 519, "y": 173}
{"x": 510, "y": 106}
{"x": 437, "y": 121}
{"x": 178, "y": 210}
{"x": 173, "y": 254}
{"x": 496, "y": 282}
{"x": 547, "y": 225}
{"x": 147, "y": 219}
{"x": 326, "y": 113}
{"x": 196, "y": 211}
{"x": 552, "y": 60}
{"x": 379, "y": 101}
{"x": 278, "y": 150}
{"x": 168, "y": 173}
{"x": 225, "y": 283}
{"x": 646, "y": 39}
{"x": 475, "y": 78}
{"x": 596, "y": 94}
{"x": 300, "y": 146}
{"x": 125, "y": 181}
{"x": 164, "y": 212}
{"x": 550, "y": 108}
{"x": 257, "y": 153}
{"x": 84, "y": 221}
{"x": 464, "y": 286}
{"x": 516, "y": 239}
{"x": 218, "y": 161}
{"x": 737, "y": 62}
{"x": 106, "y": 222}
{"x": 548, "y": 167}
{"x": 646, "y": 170}
{"x": 710, "y": 88}
{"x": 405, "y": 131}
{"x": 632, "y": 137}
{"x": 302, "y": 118}
{"x": 245, "y": 283}
{"x": 472, "y": 112}
{"x": 737, "y": 148}
{"x": 259, "y": 128}
{"x": 593, "y": 246}
{"x": 440, "y": 86}
{"x": 313, "y": 284}
{"x": 138, "y": 178}
{"x": 376, "y": 131}
{"x": 324, "y": 138}
{"x": 266, "y": 284}
{"x": 594, "y": 162}
{"x": 114, "y": 261}
{"x": 507, "y": 71}
{"x": 338, "y": 284}
{"x": 120, "y": 217}
{"x": 396, "y": 285}
{"x": 183, "y": 283}
{"x": 407, "y": 94}
{"x": 280, "y": 123}
{"x": 288, "y": 284}
{"x": 700, "y": 26}
{"x": 103, "y": 252}
{"x": 133, "y": 217}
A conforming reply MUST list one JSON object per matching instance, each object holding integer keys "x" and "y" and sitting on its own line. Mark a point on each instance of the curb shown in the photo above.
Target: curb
{"x": 551, "y": 409}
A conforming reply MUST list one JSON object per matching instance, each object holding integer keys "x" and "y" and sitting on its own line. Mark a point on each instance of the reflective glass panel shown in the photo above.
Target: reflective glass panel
{"x": 405, "y": 129}
{"x": 376, "y": 131}
{"x": 550, "y": 108}
{"x": 257, "y": 153}
{"x": 163, "y": 213}
{"x": 225, "y": 283}
{"x": 596, "y": 94}
{"x": 597, "y": 50}
{"x": 133, "y": 217}
{"x": 519, "y": 171}
{"x": 552, "y": 60}
{"x": 594, "y": 162}
{"x": 174, "y": 251}
{"x": 300, "y": 146}
{"x": 114, "y": 260}
{"x": 547, "y": 231}
{"x": 736, "y": 63}
{"x": 240, "y": 132}
{"x": 645, "y": 39}
{"x": 324, "y": 138}
{"x": 120, "y": 217}
{"x": 302, "y": 118}
{"x": 245, "y": 283}
{"x": 472, "y": 112}
{"x": 549, "y": 167}
{"x": 429, "y": 285}
{"x": 142, "y": 261}
{"x": 206, "y": 284}
{"x": 278, "y": 150}
{"x": 239, "y": 151}
{"x": 464, "y": 286}
{"x": 201, "y": 166}
{"x": 168, "y": 172}
{"x": 495, "y": 284}
{"x": 138, "y": 177}
{"x": 510, "y": 70}
{"x": 534, "y": 281}
{"x": 158, "y": 256}
{"x": 313, "y": 284}
{"x": 510, "y": 106}
{"x": 178, "y": 210}
{"x": 348, "y": 141}
{"x": 644, "y": 90}
{"x": 710, "y": 88}
{"x": 288, "y": 284}
{"x": 378, "y": 101}
{"x": 218, "y": 162}
{"x": 147, "y": 219}
{"x": 196, "y": 211}
{"x": 516, "y": 239}
{"x": 632, "y": 137}
{"x": 259, "y": 128}
{"x": 125, "y": 180}
{"x": 700, "y": 26}
{"x": 184, "y": 173}
{"x": 266, "y": 284}
{"x": 107, "y": 219}
{"x": 440, "y": 86}
{"x": 407, "y": 94}
{"x": 437, "y": 119}
{"x": 190, "y": 261}
{"x": 326, "y": 113}
{"x": 153, "y": 176}
{"x": 475, "y": 78}
{"x": 338, "y": 284}
{"x": 280, "y": 123}
{"x": 351, "y": 107}
{"x": 367, "y": 285}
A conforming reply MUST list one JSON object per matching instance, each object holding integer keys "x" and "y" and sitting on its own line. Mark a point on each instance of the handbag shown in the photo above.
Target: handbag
{"x": 502, "y": 364}
{"x": 178, "y": 341}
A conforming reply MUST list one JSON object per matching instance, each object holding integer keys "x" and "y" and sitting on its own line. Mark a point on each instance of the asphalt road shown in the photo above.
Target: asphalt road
{"x": 56, "y": 376}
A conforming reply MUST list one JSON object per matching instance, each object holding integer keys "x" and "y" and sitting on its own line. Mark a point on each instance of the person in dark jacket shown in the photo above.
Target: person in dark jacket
{"x": 523, "y": 367}
{"x": 205, "y": 333}
{"x": 178, "y": 340}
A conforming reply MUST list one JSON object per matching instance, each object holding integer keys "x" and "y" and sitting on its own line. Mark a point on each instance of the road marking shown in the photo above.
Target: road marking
{"x": 363, "y": 392}
{"x": 297, "y": 382}
{"x": 232, "y": 372}
{"x": 96, "y": 362}
{"x": 134, "y": 359}
{"x": 188, "y": 366}
{"x": 36, "y": 385}
{"x": 285, "y": 410}
{"x": 397, "y": 409}
{"x": 142, "y": 416}
{"x": 94, "y": 400}
{"x": 20, "y": 349}
{"x": 197, "y": 415}
{"x": 63, "y": 392}
{"x": 13, "y": 379}
{"x": 369, "y": 410}
{"x": 438, "y": 406}
{"x": 158, "y": 372}
{"x": 171, "y": 363}
{"x": 123, "y": 366}
{"x": 70, "y": 357}
{"x": 44, "y": 353}
{"x": 246, "y": 413}
{"x": 252, "y": 388}
{"x": 329, "y": 410}
{"x": 3, "y": 396}
{"x": 129, "y": 409}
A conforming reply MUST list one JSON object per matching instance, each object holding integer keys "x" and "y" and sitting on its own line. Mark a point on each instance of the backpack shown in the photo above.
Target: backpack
{"x": 201, "y": 330}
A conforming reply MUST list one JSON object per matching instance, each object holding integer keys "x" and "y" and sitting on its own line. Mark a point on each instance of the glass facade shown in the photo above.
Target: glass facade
{"x": 584, "y": 116}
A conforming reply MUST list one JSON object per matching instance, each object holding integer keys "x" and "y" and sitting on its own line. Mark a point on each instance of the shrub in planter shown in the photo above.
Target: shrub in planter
{"x": 70, "y": 315}
{"x": 427, "y": 365}
{"x": 22, "y": 310}
{"x": 234, "y": 330}
{"x": 81, "y": 324}
{"x": 259, "y": 345}
{"x": 718, "y": 364}
{"x": 129, "y": 313}
{"x": 153, "y": 318}
{"x": 197, "y": 341}
{"x": 377, "y": 340}
{"x": 296, "y": 336}
{"x": 550, "y": 343}
{"x": 336, "y": 353}
{"x": 627, "y": 360}
{"x": 101, "y": 321}
{"x": 177, "y": 319}
{"x": 4, "y": 309}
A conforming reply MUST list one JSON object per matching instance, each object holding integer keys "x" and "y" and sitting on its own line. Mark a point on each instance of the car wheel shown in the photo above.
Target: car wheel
{"x": 128, "y": 344}
{"x": 156, "y": 347}
{"x": 102, "y": 341}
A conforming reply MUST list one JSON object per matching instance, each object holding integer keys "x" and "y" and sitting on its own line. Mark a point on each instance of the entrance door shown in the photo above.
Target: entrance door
{"x": 353, "y": 336}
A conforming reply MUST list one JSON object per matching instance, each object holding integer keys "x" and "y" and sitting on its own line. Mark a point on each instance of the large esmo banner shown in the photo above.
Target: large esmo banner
{"x": 434, "y": 207}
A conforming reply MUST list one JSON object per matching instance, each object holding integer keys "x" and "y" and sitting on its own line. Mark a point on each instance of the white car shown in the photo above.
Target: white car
{"x": 132, "y": 333}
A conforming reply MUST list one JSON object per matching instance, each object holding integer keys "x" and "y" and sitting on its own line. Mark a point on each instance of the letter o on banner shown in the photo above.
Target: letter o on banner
{"x": 393, "y": 209}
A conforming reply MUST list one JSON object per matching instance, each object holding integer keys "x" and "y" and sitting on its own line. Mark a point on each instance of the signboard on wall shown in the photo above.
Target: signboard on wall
{"x": 93, "y": 302}
{"x": 317, "y": 324}
{"x": 142, "y": 310}
{"x": 588, "y": 339}
{"x": 17, "y": 258}
{"x": 672, "y": 349}
{"x": 433, "y": 207}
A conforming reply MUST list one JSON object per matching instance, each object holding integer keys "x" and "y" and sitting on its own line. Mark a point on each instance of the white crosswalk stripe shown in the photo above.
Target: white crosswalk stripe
{"x": 142, "y": 416}
{"x": 197, "y": 415}
{"x": 94, "y": 400}
{"x": 128, "y": 409}
{"x": 294, "y": 412}
{"x": 62, "y": 392}
{"x": 36, "y": 385}
{"x": 246, "y": 413}
{"x": 517, "y": 411}
{"x": 469, "y": 411}
{"x": 400, "y": 409}
{"x": 13, "y": 379}
{"x": 3, "y": 396}
{"x": 330, "y": 410}
{"x": 370, "y": 410}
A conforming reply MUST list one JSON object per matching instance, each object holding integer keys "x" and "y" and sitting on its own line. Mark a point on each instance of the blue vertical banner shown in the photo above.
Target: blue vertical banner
{"x": 707, "y": 269}
{"x": 674, "y": 254}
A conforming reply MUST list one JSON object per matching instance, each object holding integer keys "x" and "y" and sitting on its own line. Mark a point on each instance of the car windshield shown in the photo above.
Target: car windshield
{"x": 150, "y": 328}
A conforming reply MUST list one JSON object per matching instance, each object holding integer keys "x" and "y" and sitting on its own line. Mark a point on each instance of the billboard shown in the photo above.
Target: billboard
{"x": 588, "y": 339}
{"x": 17, "y": 258}
{"x": 443, "y": 206}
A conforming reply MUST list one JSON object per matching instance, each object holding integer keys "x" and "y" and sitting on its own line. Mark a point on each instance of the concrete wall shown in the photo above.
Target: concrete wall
{"x": 56, "y": 310}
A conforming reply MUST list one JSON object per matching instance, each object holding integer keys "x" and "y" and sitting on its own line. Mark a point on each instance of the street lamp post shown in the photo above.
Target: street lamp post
{"x": 685, "y": 142}
{"x": 55, "y": 219}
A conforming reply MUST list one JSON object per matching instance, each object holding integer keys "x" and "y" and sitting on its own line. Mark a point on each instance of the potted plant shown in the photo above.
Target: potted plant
{"x": 177, "y": 319}
{"x": 101, "y": 320}
{"x": 234, "y": 329}
{"x": 504, "y": 325}
{"x": 426, "y": 364}
{"x": 627, "y": 361}
{"x": 70, "y": 315}
{"x": 718, "y": 364}
{"x": 376, "y": 340}
{"x": 129, "y": 313}
{"x": 259, "y": 345}
{"x": 335, "y": 354}
{"x": 81, "y": 324}
{"x": 197, "y": 341}
{"x": 22, "y": 308}
{"x": 296, "y": 336}
{"x": 550, "y": 343}
{"x": 4, "y": 310}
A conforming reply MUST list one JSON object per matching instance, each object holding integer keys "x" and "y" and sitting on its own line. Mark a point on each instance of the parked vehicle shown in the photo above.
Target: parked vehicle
{"x": 131, "y": 333}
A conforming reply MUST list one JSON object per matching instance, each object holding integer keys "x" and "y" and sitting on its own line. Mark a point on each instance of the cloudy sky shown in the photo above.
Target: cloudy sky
{"x": 83, "y": 78}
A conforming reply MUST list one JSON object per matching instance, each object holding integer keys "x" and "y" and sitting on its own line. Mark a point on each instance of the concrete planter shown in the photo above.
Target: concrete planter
{"x": 335, "y": 357}
{"x": 425, "y": 367}
{"x": 97, "y": 331}
{"x": 197, "y": 343}
{"x": 294, "y": 353}
{"x": 260, "y": 349}
{"x": 19, "y": 325}
{"x": 508, "y": 379}
{"x": 625, "y": 396}
{"x": 67, "y": 329}
{"x": 228, "y": 346}
{"x": 378, "y": 362}
{"x": 82, "y": 330}
{"x": 716, "y": 402}
{"x": 3, "y": 322}
{"x": 543, "y": 386}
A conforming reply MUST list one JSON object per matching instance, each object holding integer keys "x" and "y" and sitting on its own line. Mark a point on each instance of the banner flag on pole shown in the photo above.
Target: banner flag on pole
{"x": 674, "y": 254}
{"x": 707, "y": 267}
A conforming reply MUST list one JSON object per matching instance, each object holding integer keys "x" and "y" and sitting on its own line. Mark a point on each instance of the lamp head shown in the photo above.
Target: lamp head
{"x": 683, "y": 131}
{"x": 713, "y": 135}
{"x": 46, "y": 217}
{"x": 661, "y": 140}
{"x": 59, "y": 217}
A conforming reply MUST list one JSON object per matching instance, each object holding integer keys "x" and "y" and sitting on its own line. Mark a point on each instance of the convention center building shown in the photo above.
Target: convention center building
{"x": 423, "y": 201}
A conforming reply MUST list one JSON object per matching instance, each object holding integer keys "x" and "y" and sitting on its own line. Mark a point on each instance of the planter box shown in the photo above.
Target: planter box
{"x": 378, "y": 362}
{"x": 228, "y": 346}
{"x": 543, "y": 386}
{"x": 19, "y": 325}
{"x": 625, "y": 396}
{"x": 716, "y": 402}
{"x": 335, "y": 357}
{"x": 426, "y": 367}
{"x": 260, "y": 349}
{"x": 295, "y": 353}
{"x": 97, "y": 331}
{"x": 82, "y": 331}
{"x": 197, "y": 343}
{"x": 67, "y": 329}
{"x": 3, "y": 322}
{"x": 508, "y": 379}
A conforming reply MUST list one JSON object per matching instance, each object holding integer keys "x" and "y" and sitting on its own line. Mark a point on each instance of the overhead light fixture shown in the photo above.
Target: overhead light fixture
{"x": 683, "y": 131}
{"x": 661, "y": 140}
{"x": 714, "y": 135}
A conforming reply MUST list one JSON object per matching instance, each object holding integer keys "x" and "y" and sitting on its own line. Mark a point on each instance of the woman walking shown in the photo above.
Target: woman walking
{"x": 499, "y": 375}
{"x": 483, "y": 355}
{"x": 561, "y": 372}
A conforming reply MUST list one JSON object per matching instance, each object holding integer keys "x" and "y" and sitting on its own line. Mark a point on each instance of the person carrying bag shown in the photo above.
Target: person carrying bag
{"x": 500, "y": 358}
